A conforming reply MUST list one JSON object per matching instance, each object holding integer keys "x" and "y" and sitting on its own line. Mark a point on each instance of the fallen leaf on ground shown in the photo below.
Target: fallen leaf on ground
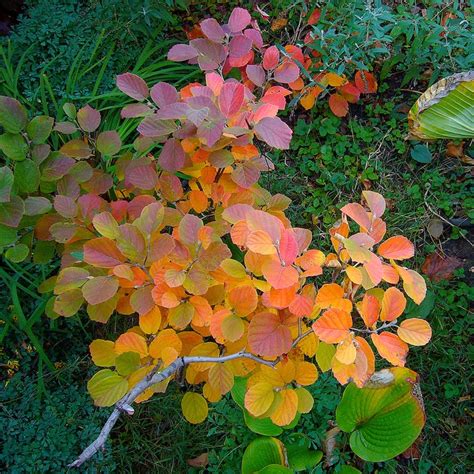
{"x": 438, "y": 268}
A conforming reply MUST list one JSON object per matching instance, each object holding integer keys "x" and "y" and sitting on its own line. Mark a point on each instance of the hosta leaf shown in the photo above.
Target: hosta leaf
{"x": 14, "y": 146}
{"x": 39, "y": 129}
{"x": 107, "y": 387}
{"x": 13, "y": 117}
{"x": 385, "y": 417}
{"x": 301, "y": 458}
{"x": 194, "y": 407}
{"x": 445, "y": 110}
{"x": 263, "y": 452}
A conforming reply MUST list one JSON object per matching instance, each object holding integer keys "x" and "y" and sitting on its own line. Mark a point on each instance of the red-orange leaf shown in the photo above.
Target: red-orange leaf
{"x": 393, "y": 304}
{"x": 267, "y": 335}
{"x": 365, "y": 82}
{"x": 333, "y": 326}
{"x": 396, "y": 248}
{"x": 390, "y": 347}
{"x": 338, "y": 105}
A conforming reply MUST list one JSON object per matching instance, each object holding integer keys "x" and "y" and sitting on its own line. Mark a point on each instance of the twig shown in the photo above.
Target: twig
{"x": 124, "y": 405}
{"x": 375, "y": 331}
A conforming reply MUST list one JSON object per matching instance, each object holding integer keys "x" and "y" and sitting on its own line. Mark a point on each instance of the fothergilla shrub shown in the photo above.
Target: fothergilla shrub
{"x": 221, "y": 284}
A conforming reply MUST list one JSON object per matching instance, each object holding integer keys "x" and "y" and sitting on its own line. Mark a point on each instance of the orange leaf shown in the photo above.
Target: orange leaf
{"x": 150, "y": 322}
{"x": 390, "y": 347}
{"x": 413, "y": 283}
{"x": 338, "y": 105}
{"x": 393, "y": 304}
{"x": 198, "y": 201}
{"x": 131, "y": 342}
{"x": 279, "y": 276}
{"x": 243, "y": 299}
{"x": 306, "y": 373}
{"x": 286, "y": 407}
{"x": 397, "y": 248}
{"x": 358, "y": 214}
{"x": 221, "y": 378}
{"x": 334, "y": 80}
{"x": 333, "y": 326}
{"x": 414, "y": 331}
{"x": 260, "y": 242}
{"x": 365, "y": 82}
{"x": 369, "y": 309}
{"x": 346, "y": 351}
{"x": 329, "y": 294}
{"x": 267, "y": 336}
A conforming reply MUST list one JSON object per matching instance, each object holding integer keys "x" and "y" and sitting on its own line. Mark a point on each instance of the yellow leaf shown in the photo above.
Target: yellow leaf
{"x": 107, "y": 387}
{"x": 194, "y": 407}
{"x": 305, "y": 400}
{"x": 103, "y": 352}
{"x": 259, "y": 398}
{"x": 415, "y": 331}
{"x": 306, "y": 373}
{"x": 221, "y": 378}
{"x": 150, "y": 322}
{"x": 286, "y": 407}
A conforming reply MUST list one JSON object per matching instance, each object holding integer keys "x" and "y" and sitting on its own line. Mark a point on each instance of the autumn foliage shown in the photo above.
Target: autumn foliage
{"x": 203, "y": 261}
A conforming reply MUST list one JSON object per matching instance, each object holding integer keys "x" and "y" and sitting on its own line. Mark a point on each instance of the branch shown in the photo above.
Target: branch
{"x": 124, "y": 405}
{"x": 376, "y": 330}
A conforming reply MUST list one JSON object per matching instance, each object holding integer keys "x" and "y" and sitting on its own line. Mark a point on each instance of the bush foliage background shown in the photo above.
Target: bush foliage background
{"x": 330, "y": 160}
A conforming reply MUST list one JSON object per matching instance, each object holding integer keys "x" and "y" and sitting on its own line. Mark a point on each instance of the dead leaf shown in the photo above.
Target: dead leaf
{"x": 201, "y": 461}
{"x": 329, "y": 444}
{"x": 455, "y": 150}
{"x": 279, "y": 23}
{"x": 435, "y": 228}
{"x": 413, "y": 452}
{"x": 438, "y": 268}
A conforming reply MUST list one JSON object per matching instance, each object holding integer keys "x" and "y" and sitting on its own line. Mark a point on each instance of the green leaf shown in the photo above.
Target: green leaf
{"x": 39, "y": 129}
{"x": 263, "y": 452}
{"x": 324, "y": 355}
{"x": 8, "y": 235}
{"x": 18, "y": 253}
{"x": 27, "y": 176}
{"x": 445, "y": 110}
{"x": 70, "y": 110}
{"x": 301, "y": 458}
{"x": 421, "y": 153}
{"x": 275, "y": 469}
{"x": 109, "y": 143}
{"x": 13, "y": 115}
{"x": 6, "y": 183}
{"x": 11, "y": 212}
{"x": 385, "y": 417}
{"x": 14, "y": 146}
{"x": 262, "y": 426}
{"x": 107, "y": 387}
{"x": 127, "y": 363}
{"x": 36, "y": 205}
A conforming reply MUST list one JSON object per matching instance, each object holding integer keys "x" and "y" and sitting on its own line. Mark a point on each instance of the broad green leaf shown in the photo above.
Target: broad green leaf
{"x": 301, "y": 458}
{"x": 275, "y": 469}
{"x": 13, "y": 116}
{"x": 6, "y": 183}
{"x": 8, "y": 235}
{"x": 107, "y": 387}
{"x": 14, "y": 146}
{"x": 262, "y": 426}
{"x": 70, "y": 110}
{"x": 27, "y": 176}
{"x": 445, "y": 110}
{"x": 18, "y": 253}
{"x": 43, "y": 251}
{"x": 385, "y": 417}
{"x": 39, "y": 129}
{"x": 261, "y": 453}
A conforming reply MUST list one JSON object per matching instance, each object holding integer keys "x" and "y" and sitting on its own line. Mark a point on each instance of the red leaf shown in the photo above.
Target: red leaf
{"x": 231, "y": 98}
{"x": 239, "y": 46}
{"x": 365, "y": 82}
{"x": 314, "y": 17}
{"x": 287, "y": 72}
{"x": 239, "y": 19}
{"x": 271, "y": 58}
{"x": 338, "y": 105}
{"x": 132, "y": 85}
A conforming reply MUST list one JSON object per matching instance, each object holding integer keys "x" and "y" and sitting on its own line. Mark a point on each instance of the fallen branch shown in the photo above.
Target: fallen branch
{"x": 125, "y": 404}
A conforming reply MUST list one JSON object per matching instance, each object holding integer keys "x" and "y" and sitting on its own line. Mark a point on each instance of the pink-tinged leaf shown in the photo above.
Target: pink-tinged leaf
{"x": 303, "y": 237}
{"x": 36, "y": 205}
{"x": 265, "y": 110}
{"x": 100, "y": 289}
{"x": 88, "y": 118}
{"x": 260, "y": 220}
{"x": 239, "y": 46}
{"x": 135, "y": 110}
{"x": 182, "y": 52}
{"x": 239, "y": 19}
{"x": 255, "y": 36}
{"x": 163, "y": 94}
{"x": 288, "y": 248}
{"x": 133, "y": 86}
{"x": 231, "y": 98}
{"x": 245, "y": 174}
{"x": 11, "y": 212}
{"x": 267, "y": 336}
{"x": 65, "y": 206}
{"x": 271, "y": 58}
{"x": 338, "y": 105}
{"x": 189, "y": 229}
{"x": 210, "y": 132}
{"x": 172, "y": 155}
{"x": 274, "y": 132}
{"x": 143, "y": 177}
{"x": 369, "y": 309}
{"x": 215, "y": 82}
{"x": 390, "y": 347}
{"x": 153, "y": 127}
{"x": 89, "y": 205}
{"x": 376, "y": 202}
{"x": 358, "y": 214}
{"x": 67, "y": 128}
{"x": 286, "y": 73}
{"x": 103, "y": 253}
{"x": 210, "y": 54}
{"x": 256, "y": 74}
{"x": 211, "y": 28}
{"x": 236, "y": 213}
{"x": 176, "y": 111}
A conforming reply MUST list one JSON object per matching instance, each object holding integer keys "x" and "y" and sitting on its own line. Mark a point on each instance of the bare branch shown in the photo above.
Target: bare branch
{"x": 125, "y": 404}
{"x": 377, "y": 330}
